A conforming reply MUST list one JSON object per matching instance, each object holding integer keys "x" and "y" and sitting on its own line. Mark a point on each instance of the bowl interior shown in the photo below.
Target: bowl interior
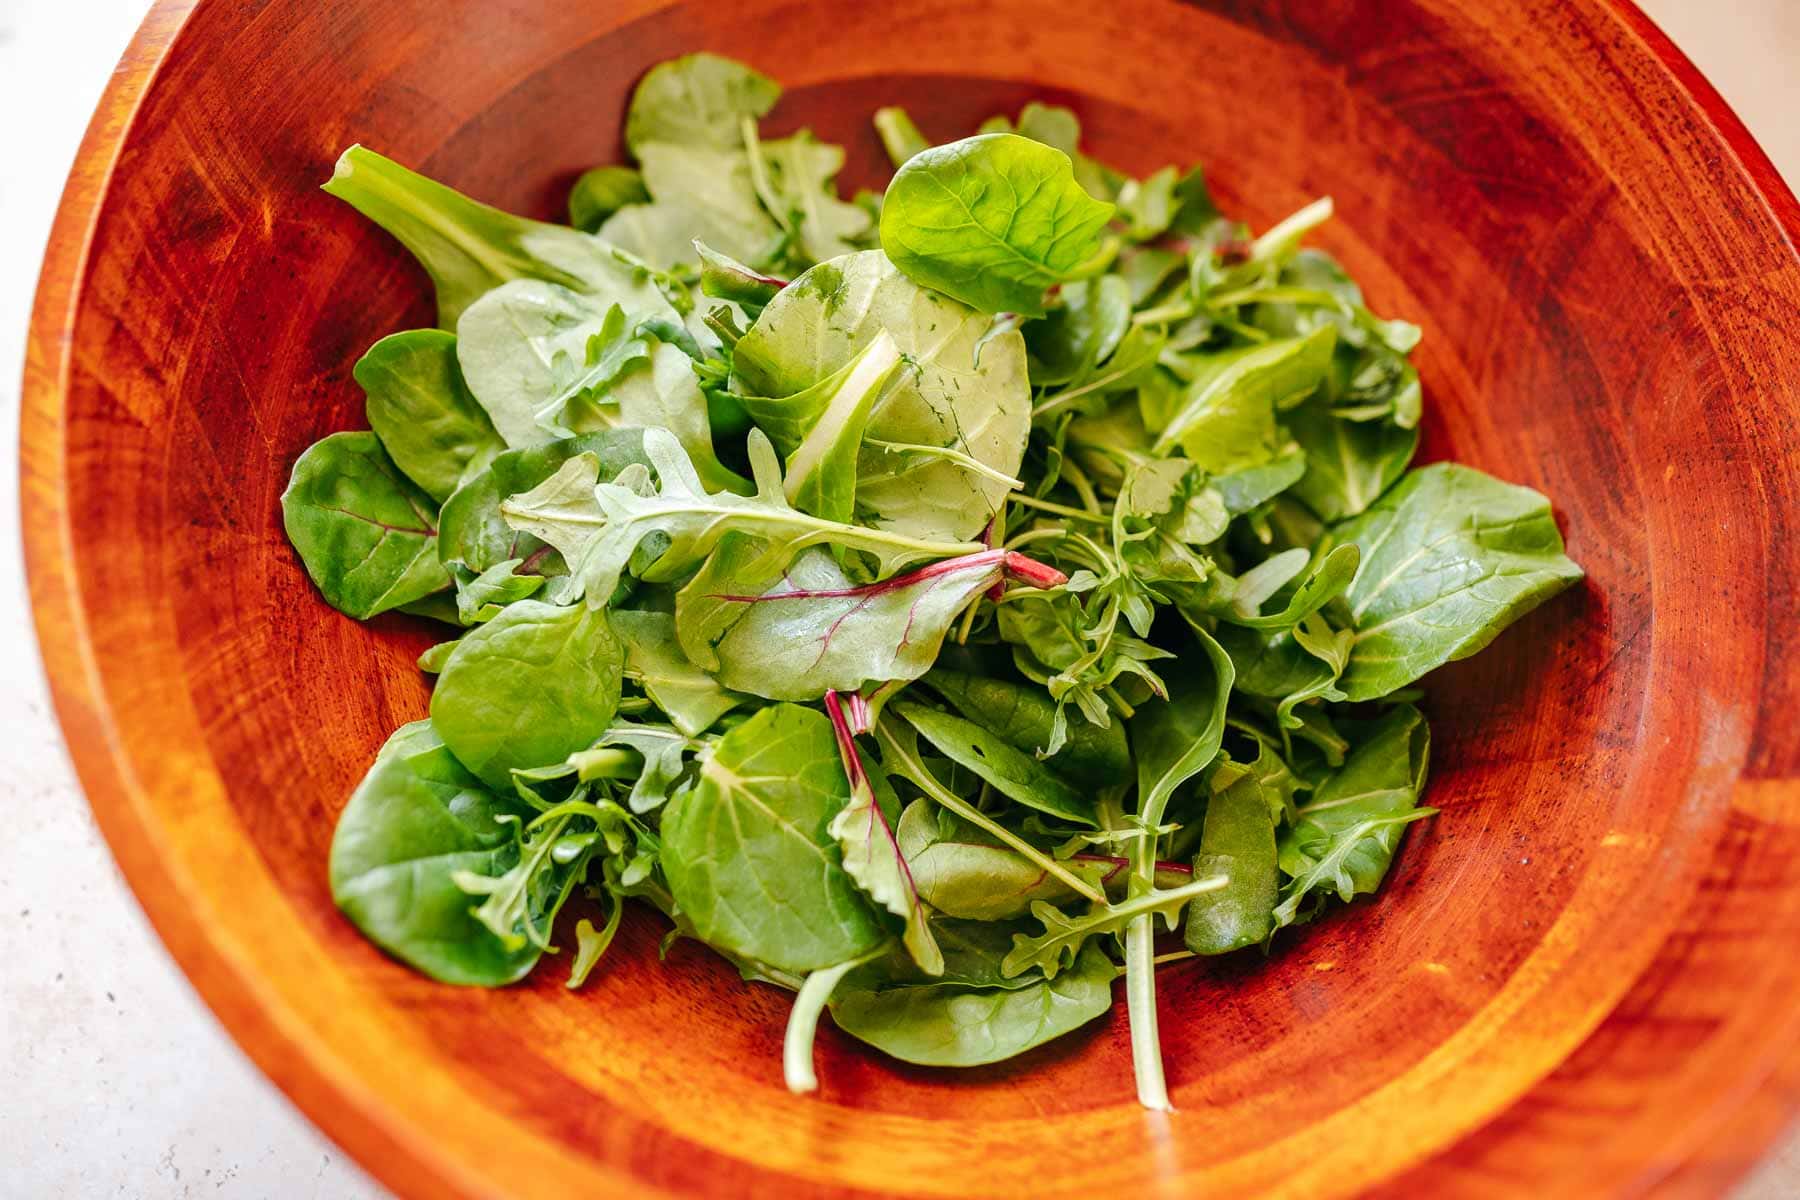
{"x": 1615, "y": 774}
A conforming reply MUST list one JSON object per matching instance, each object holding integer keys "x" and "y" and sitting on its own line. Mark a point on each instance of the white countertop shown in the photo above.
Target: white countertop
{"x": 115, "y": 1080}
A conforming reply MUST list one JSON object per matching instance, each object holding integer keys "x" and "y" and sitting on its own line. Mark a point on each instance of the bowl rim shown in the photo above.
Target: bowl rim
{"x": 251, "y": 1012}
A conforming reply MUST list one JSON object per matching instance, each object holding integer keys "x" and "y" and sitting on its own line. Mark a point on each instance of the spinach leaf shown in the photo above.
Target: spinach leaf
{"x": 1091, "y": 755}
{"x": 957, "y": 391}
{"x": 469, "y": 248}
{"x": 367, "y": 534}
{"x": 600, "y": 193}
{"x": 993, "y": 220}
{"x": 1238, "y": 842}
{"x": 1450, "y": 557}
{"x": 748, "y": 850}
{"x": 698, "y": 99}
{"x": 417, "y": 818}
{"x": 529, "y": 688}
{"x": 418, "y": 405}
{"x": 1349, "y": 464}
{"x": 947, "y": 1025}
{"x": 655, "y": 661}
{"x": 482, "y": 597}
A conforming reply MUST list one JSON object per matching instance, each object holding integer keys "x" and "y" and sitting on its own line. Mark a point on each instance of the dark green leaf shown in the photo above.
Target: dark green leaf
{"x": 367, "y": 534}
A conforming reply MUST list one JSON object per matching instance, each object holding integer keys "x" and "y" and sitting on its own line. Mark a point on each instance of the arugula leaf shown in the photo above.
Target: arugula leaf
{"x": 955, "y": 391}
{"x": 417, "y": 818}
{"x": 1346, "y": 833}
{"x": 527, "y": 689}
{"x": 1016, "y": 775}
{"x": 367, "y": 534}
{"x": 471, "y": 531}
{"x": 418, "y": 405}
{"x": 795, "y": 182}
{"x": 1064, "y": 935}
{"x": 993, "y": 220}
{"x": 601, "y": 526}
{"x": 469, "y": 248}
{"x": 1450, "y": 558}
{"x": 947, "y": 1025}
{"x": 748, "y": 850}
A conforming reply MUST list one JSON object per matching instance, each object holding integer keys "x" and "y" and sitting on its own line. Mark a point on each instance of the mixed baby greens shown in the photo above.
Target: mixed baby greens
{"x": 917, "y": 598}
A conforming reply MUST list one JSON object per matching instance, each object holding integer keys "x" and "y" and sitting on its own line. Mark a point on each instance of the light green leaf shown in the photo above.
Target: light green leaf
{"x": 469, "y": 248}
{"x": 948, "y": 1025}
{"x": 945, "y": 395}
{"x": 654, "y": 660}
{"x": 993, "y": 220}
{"x": 699, "y": 100}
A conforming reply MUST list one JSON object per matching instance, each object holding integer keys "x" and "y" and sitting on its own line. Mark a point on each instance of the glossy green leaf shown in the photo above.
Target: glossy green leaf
{"x": 993, "y": 221}
{"x": 1450, "y": 558}
{"x": 748, "y": 850}
{"x": 1024, "y": 715}
{"x": 949, "y": 1025}
{"x": 428, "y": 421}
{"x": 417, "y": 818}
{"x": 367, "y": 534}
{"x": 527, "y": 689}
{"x": 1238, "y": 842}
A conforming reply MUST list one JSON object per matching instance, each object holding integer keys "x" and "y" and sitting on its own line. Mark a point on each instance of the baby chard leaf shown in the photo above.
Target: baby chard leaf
{"x": 367, "y": 534}
{"x": 994, "y": 220}
{"x": 871, "y": 853}
{"x": 815, "y": 631}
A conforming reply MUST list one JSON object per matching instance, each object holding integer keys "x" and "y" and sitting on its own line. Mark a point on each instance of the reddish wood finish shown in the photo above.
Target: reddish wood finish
{"x": 1582, "y": 979}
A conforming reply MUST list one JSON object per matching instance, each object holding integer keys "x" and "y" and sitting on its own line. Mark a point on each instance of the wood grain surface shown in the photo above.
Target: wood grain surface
{"x": 1581, "y": 979}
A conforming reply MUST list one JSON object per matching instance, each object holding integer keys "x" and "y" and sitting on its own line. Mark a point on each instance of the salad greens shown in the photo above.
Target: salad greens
{"x": 928, "y": 601}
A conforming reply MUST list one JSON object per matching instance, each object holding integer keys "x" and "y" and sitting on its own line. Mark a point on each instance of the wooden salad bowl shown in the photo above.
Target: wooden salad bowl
{"x": 1582, "y": 978}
